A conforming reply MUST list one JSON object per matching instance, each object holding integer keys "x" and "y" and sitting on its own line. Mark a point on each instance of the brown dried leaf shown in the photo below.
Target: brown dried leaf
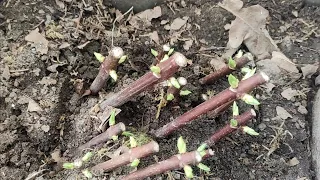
{"x": 282, "y": 113}
{"x": 309, "y": 70}
{"x": 178, "y": 23}
{"x": 283, "y": 62}
{"x": 249, "y": 28}
{"x": 289, "y": 93}
{"x": 144, "y": 18}
{"x": 155, "y": 37}
{"x": 33, "y": 106}
{"x": 40, "y": 42}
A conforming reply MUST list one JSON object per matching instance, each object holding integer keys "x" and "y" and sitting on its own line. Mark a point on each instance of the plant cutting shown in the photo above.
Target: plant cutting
{"x": 238, "y": 90}
{"x": 132, "y": 156}
{"x": 185, "y": 159}
{"x": 107, "y": 68}
{"x": 175, "y": 88}
{"x": 227, "y": 69}
{"x": 158, "y": 73}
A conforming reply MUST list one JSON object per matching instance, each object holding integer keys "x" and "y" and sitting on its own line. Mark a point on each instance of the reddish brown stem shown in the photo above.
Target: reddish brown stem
{"x": 110, "y": 63}
{"x": 214, "y": 113}
{"x": 223, "y": 97}
{"x": 175, "y": 162}
{"x": 168, "y": 68}
{"x": 105, "y": 136}
{"x": 126, "y": 158}
{"x": 224, "y": 71}
{"x": 242, "y": 119}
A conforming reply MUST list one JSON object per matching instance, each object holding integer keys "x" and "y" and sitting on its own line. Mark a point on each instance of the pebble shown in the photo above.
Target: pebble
{"x": 262, "y": 126}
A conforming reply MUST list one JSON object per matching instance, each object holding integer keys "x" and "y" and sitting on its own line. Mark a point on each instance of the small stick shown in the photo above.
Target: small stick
{"x": 214, "y": 113}
{"x": 167, "y": 69}
{"x": 227, "y": 129}
{"x": 110, "y": 63}
{"x": 225, "y": 70}
{"x": 223, "y": 97}
{"x": 175, "y": 162}
{"x": 105, "y": 136}
{"x": 126, "y": 158}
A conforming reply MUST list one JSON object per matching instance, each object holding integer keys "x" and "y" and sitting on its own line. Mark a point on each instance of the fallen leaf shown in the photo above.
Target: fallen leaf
{"x": 269, "y": 87}
{"x": 39, "y": 41}
{"x": 6, "y": 73}
{"x": 33, "y": 106}
{"x": 56, "y": 156}
{"x": 187, "y": 44}
{"x": 302, "y": 110}
{"x": 282, "y": 113}
{"x": 289, "y": 93}
{"x": 293, "y": 162}
{"x": 64, "y": 45}
{"x": 249, "y": 28}
{"x": 155, "y": 37}
{"x": 283, "y": 62}
{"x": 178, "y": 23}
{"x": 309, "y": 70}
{"x": 83, "y": 45}
{"x": 60, "y": 4}
{"x": 217, "y": 63}
{"x": 143, "y": 19}
{"x": 104, "y": 116}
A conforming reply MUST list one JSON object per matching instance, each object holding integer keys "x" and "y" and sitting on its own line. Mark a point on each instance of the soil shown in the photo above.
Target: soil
{"x": 30, "y": 140}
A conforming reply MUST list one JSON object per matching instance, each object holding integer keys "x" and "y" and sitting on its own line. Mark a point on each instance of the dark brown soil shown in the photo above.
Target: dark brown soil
{"x": 28, "y": 139}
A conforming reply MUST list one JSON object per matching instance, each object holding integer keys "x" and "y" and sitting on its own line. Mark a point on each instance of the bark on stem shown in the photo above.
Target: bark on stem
{"x": 126, "y": 158}
{"x": 105, "y": 136}
{"x": 223, "y": 97}
{"x": 224, "y": 71}
{"x": 227, "y": 129}
{"x": 175, "y": 162}
{"x": 110, "y": 63}
{"x": 214, "y": 113}
{"x": 168, "y": 68}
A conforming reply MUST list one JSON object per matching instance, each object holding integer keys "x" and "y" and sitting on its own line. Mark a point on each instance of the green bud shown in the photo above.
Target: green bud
{"x": 250, "y": 100}
{"x": 170, "y": 51}
{"x": 188, "y": 171}
{"x": 68, "y": 165}
{"x": 185, "y": 92}
{"x": 127, "y": 133}
{"x": 87, "y": 156}
{"x": 235, "y": 109}
{"x": 175, "y": 82}
{"x": 156, "y": 70}
{"x": 154, "y": 53}
{"x": 233, "y": 81}
{"x": 122, "y": 59}
{"x": 135, "y": 163}
{"x": 112, "y": 119}
{"x": 232, "y": 63}
{"x": 233, "y": 123}
{"x": 113, "y": 75}
{"x": 249, "y": 74}
{"x": 99, "y": 57}
{"x": 170, "y": 97}
{"x": 87, "y": 174}
{"x": 245, "y": 70}
{"x": 182, "y": 147}
{"x": 133, "y": 142}
{"x": 77, "y": 163}
{"x": 203, "y": 167}
{"x": 114, "y": 138}
{"x": 165, "y": 57}
{"x": 202, "y": 147}
{"x": 249, "y": 131}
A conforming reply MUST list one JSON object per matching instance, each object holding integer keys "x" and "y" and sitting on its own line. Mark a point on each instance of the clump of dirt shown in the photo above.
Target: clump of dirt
{"x": 41, "y": 112}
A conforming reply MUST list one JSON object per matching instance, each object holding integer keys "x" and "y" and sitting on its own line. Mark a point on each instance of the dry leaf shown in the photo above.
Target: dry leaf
{"x": 302, "y": 110}
{"x": 293, "y": 162}
{"x": 282, "y": 113}
{"x": 289, "y": 93}
{"x": 283, "y": 62}
{"x": 64, "y": 45}
{"x": 249, "y": 28}
{"x": 104, "y": 116}
{"x": 178, "y": 23}
{"x": 6, "y": 73}
{"x": 217, "y": 63}
{"x": 155, "y": 37}
{"x": 33, "y": 106}
{"x": 187, "y": 44}
{"x": 309, "y": 70}
{"x": 144, "y": 18}
{"x": 60, "y": 4}
{"x": 83, "y": 45}
{"x": 40, "y": 42}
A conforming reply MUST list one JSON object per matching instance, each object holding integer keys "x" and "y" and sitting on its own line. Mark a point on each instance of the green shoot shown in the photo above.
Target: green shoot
{"x": 87, "y": 173}
{"x": 154, "y": 53}
{"x": 99, "y": 57}
{"x": 202, "y": 147}
{"x": 127, "y": 133}
{"x": 235, "y": 109}
{"x": 249, "y": 74}
{"x": 233, "y": 81}
{"x": 68, "y": 165}
{"x": 232, "y": 63}
{"x": 250, "y": 100}
{"x": 175, "y": 82}
{"x": 245, "y": 70}
{"x": 170, "y": 51}
{"x": 114, "y": 138}
{"x": 203, "y": 167}
{"x": 112, "y": 119}
{"x": 185, "y": 92}
{"x": 87, "y": 156}
{"x": 113, "y": 75}
{"x": 135, "y": 163}
{"x": 249, "y": 131}
{"x": 182, "y": 147}
{"x": 165, "y": 57}
{"x": 133, "y": 142}
{"x": 233, "y": 123}
{"x": 122, "y": 59}
{"x": 155, "y": 69}
{"x": 170, "y": 97}
{"x": 188, "y": 171}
